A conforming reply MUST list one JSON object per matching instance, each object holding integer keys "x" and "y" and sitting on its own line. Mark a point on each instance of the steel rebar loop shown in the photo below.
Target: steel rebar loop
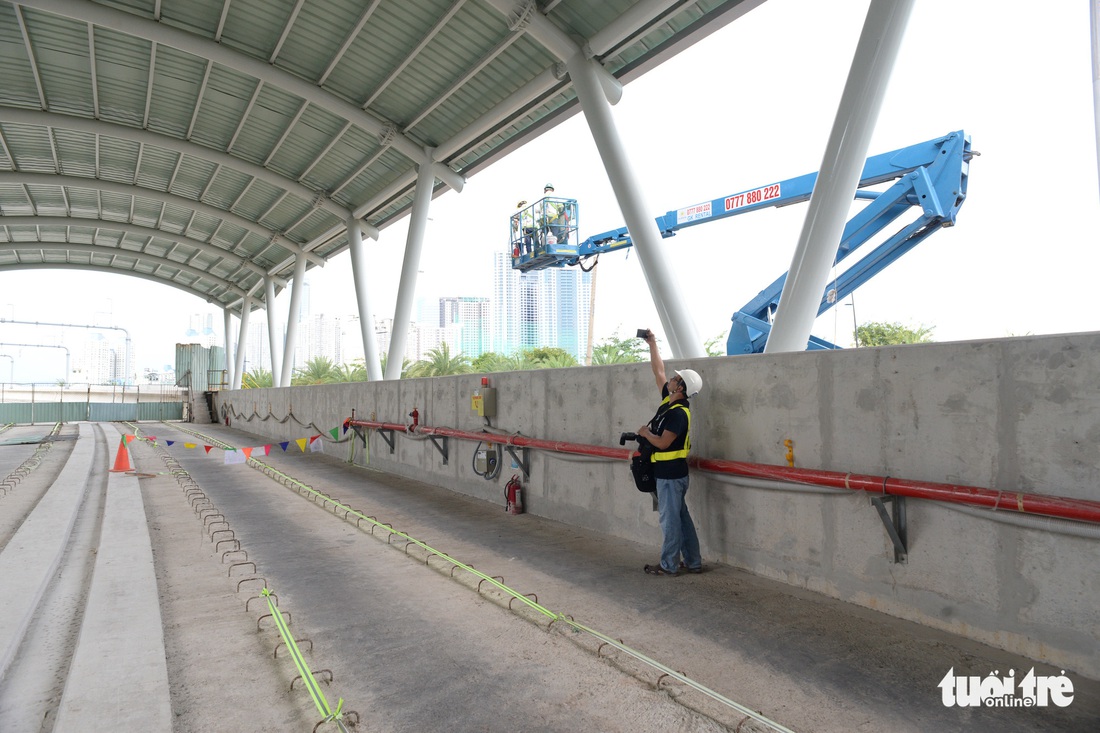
{"x": 314, "y": 672}
{"x": 214, "y": 524}
{"x": 562, "y": 617}
{"x": 260, "y": 598}
{"x": 296, "y": 641}
{"x": 218, "y": 545}
{"x": 346, "y": 714}
{"x": 245, "y": 580}
{"x": 494, "y": 577}
{"x": 526, "y": 595}
{"x": 229, "y": 574}
{"x": 234, "y": 552}
{"x": 208, "y": 517}
{"x": 602, "y": 645}
{"x": 268, "y": 615}
{"x": 232, "y": 534}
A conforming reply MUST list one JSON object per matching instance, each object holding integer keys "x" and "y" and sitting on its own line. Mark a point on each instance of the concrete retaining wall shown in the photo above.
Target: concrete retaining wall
{"x": 1015, "y": 414}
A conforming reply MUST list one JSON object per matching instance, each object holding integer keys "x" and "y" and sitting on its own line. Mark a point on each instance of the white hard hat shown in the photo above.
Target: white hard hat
{"x": 692, "y": 381}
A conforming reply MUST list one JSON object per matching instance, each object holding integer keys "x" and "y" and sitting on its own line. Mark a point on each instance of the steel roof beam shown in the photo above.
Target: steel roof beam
{"x": 470, "y": 73}
{"x": 183, "y": 147}
{"x": 114, "y": 271}
{"x": 286, "y": 32}
{"x": 92, "y": 65}
{"x": 115, "y": 252}
{"x": 30, "y": 56}
{"x": 48, "y": 179}
{"x": 133, "y": 25}
{"x": 435, "y": 29}
{"x": 527, "y": 18}
{"x": 140, "y": 231}
{"x": 348, "y": 41}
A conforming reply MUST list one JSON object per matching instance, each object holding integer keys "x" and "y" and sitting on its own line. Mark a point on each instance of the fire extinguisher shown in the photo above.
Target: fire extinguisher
{"x": 513, "y": 496}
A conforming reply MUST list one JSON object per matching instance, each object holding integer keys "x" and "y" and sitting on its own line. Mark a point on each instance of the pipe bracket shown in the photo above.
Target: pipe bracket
{"x": 895, "y": 523}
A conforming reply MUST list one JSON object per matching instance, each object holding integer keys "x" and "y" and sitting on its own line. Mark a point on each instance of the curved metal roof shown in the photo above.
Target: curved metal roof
{"x": 206, "y": 143}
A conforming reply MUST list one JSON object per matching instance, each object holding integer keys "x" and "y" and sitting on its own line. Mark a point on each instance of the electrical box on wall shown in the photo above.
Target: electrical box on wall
{"x": 484, "y": 402}
{"x": 485, "y": 460}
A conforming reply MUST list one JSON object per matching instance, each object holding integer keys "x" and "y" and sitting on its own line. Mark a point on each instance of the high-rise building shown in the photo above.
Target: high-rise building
{"x": 542, "y": 308}
{"x": 472, "y": 317}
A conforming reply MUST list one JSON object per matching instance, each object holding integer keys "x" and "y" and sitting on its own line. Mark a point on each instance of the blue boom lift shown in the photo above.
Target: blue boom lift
{"x": 930, "y": 177}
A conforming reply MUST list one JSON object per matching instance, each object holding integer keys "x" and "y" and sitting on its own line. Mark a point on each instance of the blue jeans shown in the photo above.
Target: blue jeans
{"x": 676, "y": 525}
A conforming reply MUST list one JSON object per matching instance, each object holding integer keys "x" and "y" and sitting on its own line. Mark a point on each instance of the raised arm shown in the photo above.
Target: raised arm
{"x": 655, "y": 361}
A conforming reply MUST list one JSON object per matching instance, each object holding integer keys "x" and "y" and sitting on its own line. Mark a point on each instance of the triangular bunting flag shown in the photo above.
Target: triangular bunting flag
{"x": 208, "y": 447}
{"x": 267, "y": 450}
{"x": 128, "y": 438}
{"x": 284, "y": 444}
{"x": 234, "y": 456}
{"x": 189, "y": 445}
{"x": 169, "y": 442}
{"x": 247, "y": 453}
{"x": 301, "y": 444}
{"x": 335, "y": 433}
{"x": 313, "y": 438}
{"x": 317, "y": 446}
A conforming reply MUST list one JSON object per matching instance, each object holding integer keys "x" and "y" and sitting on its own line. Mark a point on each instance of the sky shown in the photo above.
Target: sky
{"x": 751, "y": 104}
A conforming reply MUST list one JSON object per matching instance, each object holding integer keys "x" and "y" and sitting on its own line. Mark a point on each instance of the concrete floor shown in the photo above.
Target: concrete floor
{"x": 413, "y": 646}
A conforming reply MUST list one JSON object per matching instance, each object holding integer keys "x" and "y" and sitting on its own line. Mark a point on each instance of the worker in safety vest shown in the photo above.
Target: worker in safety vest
{"x": 554, "y": 218}
{"x": 669, "y": 432}
{"x": 523, "y": 229}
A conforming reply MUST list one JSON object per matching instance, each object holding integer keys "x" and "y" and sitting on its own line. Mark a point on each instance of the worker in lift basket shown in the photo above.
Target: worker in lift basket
{"x": 555, "y": 218}
{"x": 523, "y": 229}
{"x": 669, "y": 432}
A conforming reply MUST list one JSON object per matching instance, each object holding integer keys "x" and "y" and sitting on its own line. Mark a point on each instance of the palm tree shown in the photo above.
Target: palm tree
{"x": 491, "y": 361}
{"x": 440, "y": 363}
{"x": 318, "y": 370}
{"x": 405, "y": 364}
{"x": 351, "y": 372}
{"x": 616, "y": 350}
{"x": 257, "y": 379}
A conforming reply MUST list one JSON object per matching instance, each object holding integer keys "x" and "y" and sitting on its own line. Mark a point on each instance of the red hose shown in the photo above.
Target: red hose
{"x": 1082, "y": 510}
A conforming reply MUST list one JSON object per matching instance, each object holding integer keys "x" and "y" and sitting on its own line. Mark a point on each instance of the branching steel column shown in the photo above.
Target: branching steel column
{"x": 228, "y": 341}
{"x": 1094, "y": 18}
{"x": 678, "y": 325}
{"x": 845, "y": 152}
{"x": 418, "y": 222}
{"x": 366, "y": 316}
{"x": 272, "y": 332}
{"x": 242, "y": 342}
{"x": 292, "y": 319}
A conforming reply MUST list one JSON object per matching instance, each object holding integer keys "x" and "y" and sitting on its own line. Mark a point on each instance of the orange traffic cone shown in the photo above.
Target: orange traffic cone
{"x": 122, "y": 458}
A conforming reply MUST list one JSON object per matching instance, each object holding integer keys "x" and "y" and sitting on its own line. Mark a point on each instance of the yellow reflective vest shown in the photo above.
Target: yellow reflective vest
{"x": 672, "y": 455}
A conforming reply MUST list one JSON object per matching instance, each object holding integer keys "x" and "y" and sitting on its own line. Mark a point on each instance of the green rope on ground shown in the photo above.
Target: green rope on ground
{"x": 516, "y": 594}
{"x": 314, "y": 688}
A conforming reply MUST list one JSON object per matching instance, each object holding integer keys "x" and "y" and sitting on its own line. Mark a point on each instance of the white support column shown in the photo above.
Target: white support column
{"x": 835, "y": 189}
{"x": 242, "y": 342}
{"x": 366, "y": 316}
{"x": 272, "y": 332}
{"x": 292, "y": 320}
{"x": 678, "y": 325}
{"x": 228, "y": 342}
{"x": 418, "y": 222}
{"x": 1094, "y": 18}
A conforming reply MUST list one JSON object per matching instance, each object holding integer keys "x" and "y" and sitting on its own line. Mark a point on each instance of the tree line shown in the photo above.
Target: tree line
{"x": 440, "y": 362}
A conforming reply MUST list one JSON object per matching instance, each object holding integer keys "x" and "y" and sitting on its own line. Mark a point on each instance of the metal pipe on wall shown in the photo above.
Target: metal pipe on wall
{"x": 1082, "y": 510}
